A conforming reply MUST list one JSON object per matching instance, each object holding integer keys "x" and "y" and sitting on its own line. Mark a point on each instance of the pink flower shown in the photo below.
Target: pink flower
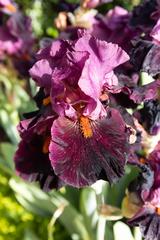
{"x": 155, "y": 33}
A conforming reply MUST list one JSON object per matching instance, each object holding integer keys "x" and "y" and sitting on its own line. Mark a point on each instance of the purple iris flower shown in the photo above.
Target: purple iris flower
{"x": 76, "y": 76}
{"x": 142, "y": 15}
{"x": 149, "y": 116}
{"x": 16, "y": 36}
{"x": 144, "y": 58}
{"x": 148, "y": 217}
{"x": 78, "y": 72}
{"x": 105, "y": 28}
{"x": 109, "y": 26}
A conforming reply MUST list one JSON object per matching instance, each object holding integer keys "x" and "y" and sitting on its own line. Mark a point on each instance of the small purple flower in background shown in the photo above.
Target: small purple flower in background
{"x": 148, "y": 216}
{"x": 149, "y": 116}
{"x": 142, "y": 15}
{"x": 105, "y": 28}
{"x": 16, "y": 36}
{"x": 7, "y": 6}
{"x": 141, "y": 80}
{"x": 109, "y": 26}
{"x": 76, "y": 77}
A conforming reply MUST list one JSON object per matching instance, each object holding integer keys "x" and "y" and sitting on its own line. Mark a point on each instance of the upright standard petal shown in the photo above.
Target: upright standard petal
{"x": 104, "y": 57}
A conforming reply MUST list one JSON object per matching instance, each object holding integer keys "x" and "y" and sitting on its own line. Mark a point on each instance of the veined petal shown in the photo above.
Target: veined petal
{"x": 104, "y": 57}
{"x": 80, "y": 155}
{"x": 149, "y": 223}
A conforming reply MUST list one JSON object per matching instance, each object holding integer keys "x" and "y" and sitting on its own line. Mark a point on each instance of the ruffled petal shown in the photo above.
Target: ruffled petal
{"x": 155, "y": 33}
{"x": 41, "y": 73}
{"x": 146, "y": 92}
{"x": 104, "y": 57}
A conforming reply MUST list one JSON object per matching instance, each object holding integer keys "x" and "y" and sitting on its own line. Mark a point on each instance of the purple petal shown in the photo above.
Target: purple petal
{"x": 146, "y": 92}
{"x": 151, "y": 61}
{"x": 80, "y": 161}
{"x": 139, "y": 52}
{"x": 149, "y": 116}
{"x": 8, "y": 43}
{"x": 104, "y": 57}
{"x": 31, "y": 160}
{"x": 141, "y": 15}
{"x": 41, "y": 73}
{"x": 155, "y": 33}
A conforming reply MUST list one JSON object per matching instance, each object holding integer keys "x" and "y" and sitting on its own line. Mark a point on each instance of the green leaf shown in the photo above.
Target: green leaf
{"x": 52, "y": 32}
{"x": 117, "y": 191}
{"x": 37, "y": 201}
{"x": 9, "y": 122}
{"x": 7, "y": 151}
{"x": 30, "y": 235}
{"x": 88, "y": 206}
{"x": 32, "y": 198}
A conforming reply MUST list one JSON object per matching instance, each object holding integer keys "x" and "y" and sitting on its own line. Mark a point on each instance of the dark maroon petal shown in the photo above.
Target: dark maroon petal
{"x": 149, "y": 224}
{"x": 143, "y": 183}
{"x": 149, "y": 116}
{"x": 141, "y": 15}
{"x": 35, "y": 125}
{"x": 33, "y": 165}
{"x": 138, "y": 53}
{"x": 80, "y": 161}
{"x": 151, "y": 62}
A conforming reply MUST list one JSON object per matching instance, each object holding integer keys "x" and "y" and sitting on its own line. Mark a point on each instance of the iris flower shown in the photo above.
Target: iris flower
{"x": 148, "y": 216}
{"x": 16, "y": 36}
{"x": 88, "y": 140}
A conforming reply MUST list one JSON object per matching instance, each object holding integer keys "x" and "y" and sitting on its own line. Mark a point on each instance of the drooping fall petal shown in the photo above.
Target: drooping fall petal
{"x": 82, "y": 153}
